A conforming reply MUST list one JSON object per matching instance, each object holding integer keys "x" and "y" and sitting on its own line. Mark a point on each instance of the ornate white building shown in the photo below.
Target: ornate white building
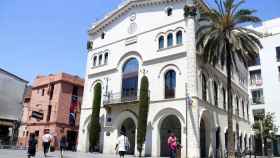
{"x": 187, "y": 97}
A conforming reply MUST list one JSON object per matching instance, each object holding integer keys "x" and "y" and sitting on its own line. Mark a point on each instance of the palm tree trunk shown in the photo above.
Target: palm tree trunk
{"x": 230, "y": 107}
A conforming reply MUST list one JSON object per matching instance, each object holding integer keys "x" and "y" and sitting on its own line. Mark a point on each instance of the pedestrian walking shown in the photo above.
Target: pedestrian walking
{"x": 47, "y": 138}
{"x": 62, "y": 145}
{"x": 172, "y": 145}
{"x": 32, "y": 143}
{"x": 122, "y": 145}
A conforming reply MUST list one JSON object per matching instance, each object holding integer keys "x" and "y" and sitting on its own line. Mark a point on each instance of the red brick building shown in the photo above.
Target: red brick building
{"x": 53, "y": 104}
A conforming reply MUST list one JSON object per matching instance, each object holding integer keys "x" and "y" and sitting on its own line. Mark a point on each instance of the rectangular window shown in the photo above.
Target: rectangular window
{"x": 49, "y": 113}
{"x": 75, "y": 91}
{"x": 43, "y": 92}
{"x": 256, "y": 78}
{"x": 278, "y": 54}
{"x": 37, "y": 133}
{"x": 51, "y": 89}
{"x": 257, "y": 96}
{"x": 258, "y": 114}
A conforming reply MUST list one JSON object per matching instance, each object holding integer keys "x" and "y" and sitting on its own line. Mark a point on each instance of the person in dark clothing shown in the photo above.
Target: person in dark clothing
{"x": 63, "y": 145}
{"x": 32, "y": 143}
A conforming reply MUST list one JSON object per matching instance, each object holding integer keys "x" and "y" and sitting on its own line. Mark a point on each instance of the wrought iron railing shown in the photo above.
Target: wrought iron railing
{"x": 121, "y": 97}
{"x": 258, "y": 100}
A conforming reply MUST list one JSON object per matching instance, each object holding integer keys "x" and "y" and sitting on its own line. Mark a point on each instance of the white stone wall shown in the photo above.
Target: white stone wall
{"x": 269, "y": 68}
{"x": 152, "y": 21}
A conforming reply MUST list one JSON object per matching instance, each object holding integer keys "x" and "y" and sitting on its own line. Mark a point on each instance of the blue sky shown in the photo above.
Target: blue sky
{"x": 49, "y": 36}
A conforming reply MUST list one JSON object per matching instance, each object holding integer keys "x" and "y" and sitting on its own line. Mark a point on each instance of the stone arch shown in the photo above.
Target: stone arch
{"x": 123, "y": 116}
{"x": 206, "y": 133}
{"x": 166, "y": 112}
{"x": 128, "y": 55}
{"x": 168, "y": 67}
{"x": 94, "y": 83}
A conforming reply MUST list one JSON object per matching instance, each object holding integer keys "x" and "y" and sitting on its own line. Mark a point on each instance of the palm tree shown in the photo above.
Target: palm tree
{"x": 222, "y": 38}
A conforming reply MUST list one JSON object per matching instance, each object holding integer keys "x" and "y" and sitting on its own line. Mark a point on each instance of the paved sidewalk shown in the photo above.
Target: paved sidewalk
{"x": 22, "y": 154}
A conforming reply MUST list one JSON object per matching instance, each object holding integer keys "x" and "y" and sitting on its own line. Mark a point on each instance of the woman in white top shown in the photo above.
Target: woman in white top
{"x": 122, "y": 145}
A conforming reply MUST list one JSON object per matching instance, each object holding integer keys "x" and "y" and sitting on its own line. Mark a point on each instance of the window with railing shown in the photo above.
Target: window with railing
{"x": 257, "y": 97}
{"x": 255, "y": 78}
{"x": 278, "y": 54}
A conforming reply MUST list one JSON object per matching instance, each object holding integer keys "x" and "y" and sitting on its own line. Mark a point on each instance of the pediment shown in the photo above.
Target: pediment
{"x": 123, "y": 9}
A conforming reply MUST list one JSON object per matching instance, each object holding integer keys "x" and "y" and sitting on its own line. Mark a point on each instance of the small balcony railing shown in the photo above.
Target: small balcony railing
{"x": 256, "y": 82}
{"x": 121, "y": 97}
{"x": 256, "y": 101}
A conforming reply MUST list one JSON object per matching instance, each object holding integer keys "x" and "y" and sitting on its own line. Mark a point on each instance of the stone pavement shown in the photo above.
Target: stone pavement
{"x": 22, "y": 154}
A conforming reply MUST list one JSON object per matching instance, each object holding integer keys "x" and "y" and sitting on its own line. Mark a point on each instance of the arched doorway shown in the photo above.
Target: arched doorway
{"x": 170, "y": 124}
{"x": 203, "y": 147}
{"x": 128, "y": 126}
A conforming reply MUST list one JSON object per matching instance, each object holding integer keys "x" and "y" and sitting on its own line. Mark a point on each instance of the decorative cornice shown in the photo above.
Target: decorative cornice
{"x": 121, "y": 10}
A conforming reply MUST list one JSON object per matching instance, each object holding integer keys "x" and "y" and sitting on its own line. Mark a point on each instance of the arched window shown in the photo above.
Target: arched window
{"x": 94, "y": 60}
{"x": 170, "y": 40}
{"x": 130, "y": 80}
{"x": 170, "y": 84}
{"x": 226, "y": 139}
{"x": 179, "y": 37}
{"x": 106, "y": 58}
{"x": 215, "y": 86}
{"x": 243, "y": 108}
{"x": 160, "y": 42}
{"x": 237, "y": 105}
{"x": 204, "y": 88}
{"x": 100, "y": 59}
{"x": 224, "y": 98}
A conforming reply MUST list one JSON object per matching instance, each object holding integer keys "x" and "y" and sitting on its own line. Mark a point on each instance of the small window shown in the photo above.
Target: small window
{"x": 51, "y": 91}
{"x": 161, "y": 42}
{"x": 204, "y": 88}
{"x": 237, "y": 105}
{"x": 94, "y": 60}
{"x": 170, "y": 40}
{"x": 100, "y": 60}
{"x": 278, "y": 54}
{"x": 75, "y": 91}
{"x": 106, "y": 58}
{"x": 37, "y": 133}
{"x": 243, "y": 108}
{"x": 279, "y": 73}
{"x": 216, "y": 93}
{"x": 103, "y": 35}
{"x": 224, "y": 98}
{"x": 256, "y": 62}
{"x": 49, "y": 113}
{"x": 179, "y": 37}
{"x": 169, "y": 11}
{"x": 43, "y": 92}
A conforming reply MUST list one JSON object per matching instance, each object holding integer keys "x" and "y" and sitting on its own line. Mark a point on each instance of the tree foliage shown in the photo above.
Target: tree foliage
{"x": 143, "y": 113}
{"x": 268, "y": 126}
{"x": 94, "y": 126}
{"x": 221, "y": 38}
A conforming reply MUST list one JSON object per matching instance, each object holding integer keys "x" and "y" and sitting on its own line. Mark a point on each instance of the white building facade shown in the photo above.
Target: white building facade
{"x": 264, "y": 83}
{"x": 187, "y": 97}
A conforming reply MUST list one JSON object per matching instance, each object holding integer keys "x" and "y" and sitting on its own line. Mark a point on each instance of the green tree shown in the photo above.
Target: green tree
{"x": 265, "y": 128}
{"x": 143, "y": 113}
{"x": 94, "y": 126}
{"x": 221, "y": 38}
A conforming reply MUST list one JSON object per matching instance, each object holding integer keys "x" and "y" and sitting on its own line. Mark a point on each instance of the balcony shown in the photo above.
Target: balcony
{"x": 257, "y": 101}
{"x": 121, "y": 98}
{"x": 256, "y": 83}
